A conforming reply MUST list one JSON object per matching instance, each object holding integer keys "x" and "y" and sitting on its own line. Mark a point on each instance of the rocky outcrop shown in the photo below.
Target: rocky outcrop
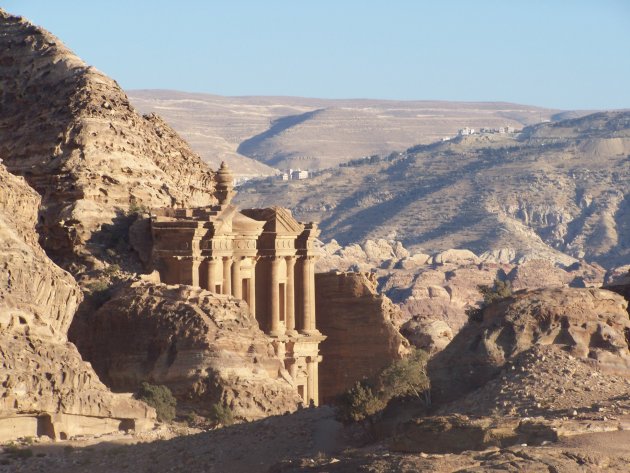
{"x": 547, "y": 381}
{"x": 35, "y": 293}
{"x": 45, "y": 386}
{"x": 457, "y": 433}
{"x": 362, "y": 339}
{"x": 590, "y": 324}
{"x": 71, "y": 132}
{"x": 432, "y": 336}
{"x": 435, "y": 291}
{"x": 205, "y": 347}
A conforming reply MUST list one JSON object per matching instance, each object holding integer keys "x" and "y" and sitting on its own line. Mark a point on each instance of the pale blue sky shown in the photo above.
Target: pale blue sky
{"x": 567, "y": 54}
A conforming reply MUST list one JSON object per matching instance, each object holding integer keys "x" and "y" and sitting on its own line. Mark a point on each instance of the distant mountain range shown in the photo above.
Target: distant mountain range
{"x": 259, "y": 135}
{"x": 558, "y": 190}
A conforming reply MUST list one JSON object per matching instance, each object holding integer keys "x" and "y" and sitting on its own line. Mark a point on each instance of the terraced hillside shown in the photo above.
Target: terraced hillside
{"x": 554, "y": 188}
{"x": 256, "y": 134}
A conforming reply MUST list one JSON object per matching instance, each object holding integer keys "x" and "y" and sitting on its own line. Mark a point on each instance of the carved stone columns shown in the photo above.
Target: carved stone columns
{"x": 290, "y": 302}
{"x": 237, "y": 282}
{"x": 308, "y": 295}
{"x": 251, "y": 301}
{"x": 227, "y": 276}
{"x": 211, "y": 274}
{"x": 274, "y": 309}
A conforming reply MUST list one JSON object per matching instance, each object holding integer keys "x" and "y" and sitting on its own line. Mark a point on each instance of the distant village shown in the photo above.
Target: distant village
{"x": 294, "y": 175}
{"x": 483, "y": 131}
{"x": 299, "y": 174}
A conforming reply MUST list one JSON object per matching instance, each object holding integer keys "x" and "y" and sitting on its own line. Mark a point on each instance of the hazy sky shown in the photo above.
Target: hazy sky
{"x": 558, "y": 53}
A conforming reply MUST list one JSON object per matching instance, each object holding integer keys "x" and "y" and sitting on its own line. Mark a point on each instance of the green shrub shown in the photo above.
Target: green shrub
{"x": 159, "y": 397}
{"x": 191, "y": 419}
{"x": 136, "y": 209}
{"x": 403, "y": 378}
{"x": 406, "y": 377}
{"x": 111, "y": 270}
{"x": 499, "y": 290}
{"x": 221, "y": 415}
{"x": 98, "y": 292}
{"x": 360, "y": 403}
{"x": 16, "y": 452}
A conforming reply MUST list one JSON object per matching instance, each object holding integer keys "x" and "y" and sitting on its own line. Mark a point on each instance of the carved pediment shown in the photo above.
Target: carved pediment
{"x": 278, "y": 220}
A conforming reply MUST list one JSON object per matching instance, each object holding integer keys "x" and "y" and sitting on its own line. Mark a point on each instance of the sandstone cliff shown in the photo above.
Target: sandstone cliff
{"x": 205, "y": 347}
{"x": 45, "y": 386}
{"x": 71, "y": 132}
{"x": 362, "y": 340}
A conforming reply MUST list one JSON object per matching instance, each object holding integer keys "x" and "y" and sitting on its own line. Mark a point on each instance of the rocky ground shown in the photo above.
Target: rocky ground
{"x": 245, "y": 448}
{"x": 546, "y": 381}
{"x": 309, "y": 441}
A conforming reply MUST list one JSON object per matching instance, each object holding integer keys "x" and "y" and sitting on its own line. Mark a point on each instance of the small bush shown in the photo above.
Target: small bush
{"x": 159, "y": 397}
{"x": 98, "y": 292}
{"x": 406, "y": 377}
{"x": 136, "y": 209}
{"x": 221, "y": 415}
{"x": 403, "y": 378}
{"x": 111, "y": 270}
{"x": 499, "y": 290}
{"x": 359, "y": 403}
{"x": 16, "y": 452}
{"x": 190, "y": 419}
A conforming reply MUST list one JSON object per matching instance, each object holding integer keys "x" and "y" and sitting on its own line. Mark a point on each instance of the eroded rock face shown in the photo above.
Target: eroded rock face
{"x": 362, "y": 339}
{"x": 432, "y": 336}
{"x": 45, "y": 386}
{"x": 71, "y": 132}
{"x": 37, "y": 297}
{"x": 433, "y": 290}
{"x": 590, "y": 324}
{"x": 205, "y": 347}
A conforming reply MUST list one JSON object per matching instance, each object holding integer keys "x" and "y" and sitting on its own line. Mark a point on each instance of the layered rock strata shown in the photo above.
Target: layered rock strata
{"x": 204, "y": 346}
{"x": 362, "y": 340}
{"x": 71, "y": 132}
{"x": 45, "y": 386}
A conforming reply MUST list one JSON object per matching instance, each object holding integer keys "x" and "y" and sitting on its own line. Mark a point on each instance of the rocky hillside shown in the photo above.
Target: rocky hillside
{"x": 552, "y": 372}
{"x": 95, "y": 165}
{"x": 45, "y": 386}
{"x": 205, "y": 347}
{"x": 556, "y": 190}
{"x": 590, "y": 325}
{"x": 72, "y": 133}
{"x": 295, "y": 132}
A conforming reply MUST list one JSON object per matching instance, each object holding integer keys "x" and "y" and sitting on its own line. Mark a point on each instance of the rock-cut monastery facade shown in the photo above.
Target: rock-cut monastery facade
{"x": 263, "y": 256}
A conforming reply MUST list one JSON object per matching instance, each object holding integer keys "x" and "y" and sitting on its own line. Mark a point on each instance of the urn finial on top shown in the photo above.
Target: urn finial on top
{"x": 225, "y": 184}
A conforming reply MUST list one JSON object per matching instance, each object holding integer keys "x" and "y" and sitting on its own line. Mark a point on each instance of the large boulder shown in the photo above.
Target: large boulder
{"x": 205, "y": 347}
